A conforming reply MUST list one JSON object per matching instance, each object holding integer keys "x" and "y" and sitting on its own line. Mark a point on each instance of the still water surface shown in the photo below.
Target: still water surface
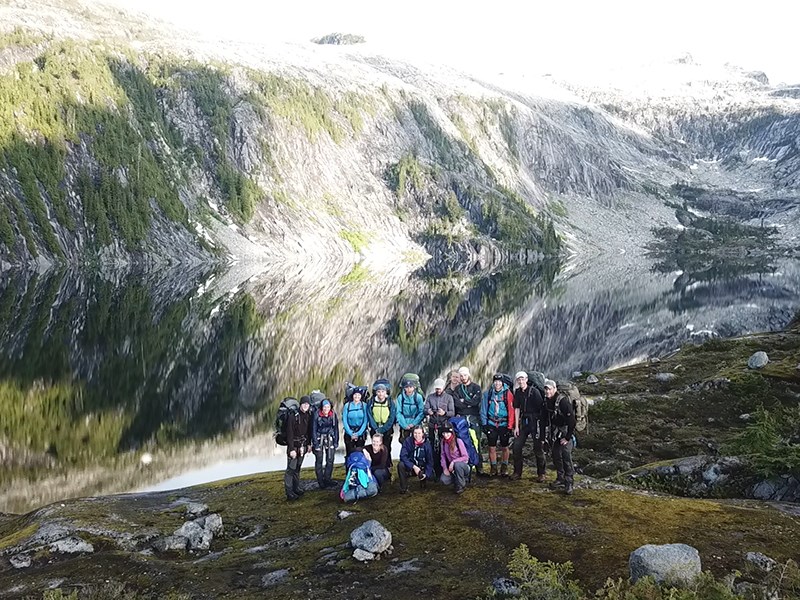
{"x": 96, "y": 369}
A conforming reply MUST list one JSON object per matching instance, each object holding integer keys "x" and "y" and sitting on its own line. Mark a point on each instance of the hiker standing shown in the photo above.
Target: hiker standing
{"x": 439, "y": 408}
{"x": 382, "y": 413}
{"x": 409, "y": 408}
{"x": 380, "y": 459}
{"x": 454, "y": 461}
{"x": 298, "y": 443}
{"x": 416, "y": 459}
{"x": 562, "y": 428}
{"x": 530, "y": 419}
{"x": 497, "y": 419}
{"x": 453, "y": 381}
{"x": 467, "y": 403}
{"x": 354, "y": 419}
{"x": 325, "y": 440}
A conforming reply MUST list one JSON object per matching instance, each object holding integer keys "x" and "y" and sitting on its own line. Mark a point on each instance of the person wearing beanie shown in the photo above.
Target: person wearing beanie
{"x": 497, "y": 420}
{"x": 409, "y": 408}
{"x": 325, "y": 438}
{"x": 382, "y": 413}
{"x": 354, "y": 419}
{"x": 439, "y": 408}
{"x": 562, "y": 429}
{"x": 298, "y": 444}
{"x": 467, "y": 404}
{"x": 454, "y": 460}
{"x": 416, "y": 459}
{"x": 530, "y": 419}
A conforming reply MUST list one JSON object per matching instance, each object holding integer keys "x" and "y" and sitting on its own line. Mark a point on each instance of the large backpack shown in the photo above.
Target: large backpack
{"x": 359, "y": 481}
{"x": 506, "y": 379}
{"x": 536, "y": 379}
{"x": 467, "y": 435}
{"x": 579, "y": 404}
{"x": 411, "y": 377}
{"x": 287, "y": 406}
{"x": 316, "y": 400}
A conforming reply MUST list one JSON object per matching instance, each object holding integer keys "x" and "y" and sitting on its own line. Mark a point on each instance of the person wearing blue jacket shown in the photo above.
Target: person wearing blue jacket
{"x": 325, "y": 440}
{"x": 382, "y": 413}
{"x": 409, "y": 408}
{"x": 416, "y": 458}
{"x": 497, "y": 421}
{"x": 354, "y": 419}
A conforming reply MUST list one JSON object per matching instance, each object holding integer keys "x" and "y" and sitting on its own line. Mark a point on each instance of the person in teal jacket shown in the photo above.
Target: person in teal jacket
{"x": 410, "y": 409}
{"x": 354, "y": 419}
{"x": 382, "y": 412}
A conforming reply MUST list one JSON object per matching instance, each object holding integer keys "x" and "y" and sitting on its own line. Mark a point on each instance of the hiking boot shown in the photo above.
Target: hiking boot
{"x": 483, "y": 474}
{"x": 493, "y": 471}
{"x": 504, "y": 470}
{"x": 568, "y": 489}
{"x": 557, "y": 484}
{"x": 403, "y": 490}
{"x": 541, "y": 478}
{"x": 515, "y": 476}
{"x": 460, "y": 491}
{"x": 292, "y": 497}
{"x": 299, "y": 493}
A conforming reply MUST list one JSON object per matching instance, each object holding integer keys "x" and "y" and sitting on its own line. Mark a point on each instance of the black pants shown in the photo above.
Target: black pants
{"x": 435, "y": 438}
{"x": 325, "y": 453}
{"x": 538, "y": 449}
{"x": 382, "y": 476}
{"x": 291, "y": 478}
{"x": 387, "y": 438}
{"x": 458, "y": 477}
{"x": 562, "y": 459}
{"x": 351, "y": 446}
{"x": 403, "y": 474}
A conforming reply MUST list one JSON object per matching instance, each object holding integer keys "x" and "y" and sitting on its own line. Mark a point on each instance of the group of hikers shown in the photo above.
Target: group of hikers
{"x": 440, "y": 435}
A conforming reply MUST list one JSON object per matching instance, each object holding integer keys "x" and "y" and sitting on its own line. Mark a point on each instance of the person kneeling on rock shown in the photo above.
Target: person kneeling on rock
{"x": 416, "y": 458}
{"x": 455, "y": 460}
{"x": 380, "y": 460}
{"x": 298, "y": 443}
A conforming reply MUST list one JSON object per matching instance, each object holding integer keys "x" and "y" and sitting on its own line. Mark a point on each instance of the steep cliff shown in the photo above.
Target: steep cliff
{"x": 124, "y": 141}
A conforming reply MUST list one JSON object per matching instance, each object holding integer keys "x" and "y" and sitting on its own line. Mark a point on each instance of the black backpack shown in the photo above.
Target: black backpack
{"x": 287, "y": 406}
{"x": 316, "y": 400}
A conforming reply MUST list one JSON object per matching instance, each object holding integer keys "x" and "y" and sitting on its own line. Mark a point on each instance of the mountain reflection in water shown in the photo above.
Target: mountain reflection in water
{"x": 96, "y": 370}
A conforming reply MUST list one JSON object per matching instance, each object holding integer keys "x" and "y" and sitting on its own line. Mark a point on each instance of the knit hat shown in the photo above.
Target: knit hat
{"x": 549, "y": 383}
{"x": 497, "y": 377}
{"x": 464, "y": 371}
{"x": 522, "y": 374}
{"x": 326, "y": 401}
{"x": 446, "y": 428}
{"x": 305, "y": 400}
{"x": 438, "y": 384}
{"x": 408, "y": 383}
{"x": 380, "y": 386}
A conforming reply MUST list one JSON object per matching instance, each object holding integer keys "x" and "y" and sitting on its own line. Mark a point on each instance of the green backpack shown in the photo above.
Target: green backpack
{"x": 579, "y": 404}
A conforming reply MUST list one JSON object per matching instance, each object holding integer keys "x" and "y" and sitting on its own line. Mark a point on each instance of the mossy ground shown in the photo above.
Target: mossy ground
{"x": 460, "y": 543}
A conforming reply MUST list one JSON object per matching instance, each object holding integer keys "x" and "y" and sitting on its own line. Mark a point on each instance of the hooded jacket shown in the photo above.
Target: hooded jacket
{"x": 373, "y": 422}
{"x": 434, "y": 403}
{"x": 497, "y": 408}
{"x": 420, "y": 455}
{"x": 354, "y": 418}
{"x": 325, "y": 426}
{"x": 409, "y": 410}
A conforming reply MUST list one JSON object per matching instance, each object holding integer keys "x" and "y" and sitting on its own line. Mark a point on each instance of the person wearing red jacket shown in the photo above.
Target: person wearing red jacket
{"x": 497, "y": 422}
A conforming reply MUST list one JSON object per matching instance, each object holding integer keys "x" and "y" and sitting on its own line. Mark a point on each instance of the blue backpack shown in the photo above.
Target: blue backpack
{"x": 359, "y": 481}
{"x": 465, "y": 434}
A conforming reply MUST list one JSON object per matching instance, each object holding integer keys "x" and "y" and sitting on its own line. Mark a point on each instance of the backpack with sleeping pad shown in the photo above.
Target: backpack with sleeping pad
{"x": 359, "y": 482}
{"x": 414, "y": 378}
{"x": 287, "y": 406}
{"x": 579, "y": 404}
{"x": 384, "y": 382}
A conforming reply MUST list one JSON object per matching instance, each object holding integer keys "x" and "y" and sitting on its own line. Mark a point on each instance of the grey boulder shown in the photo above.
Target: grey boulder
{"x": 196, "y": 509}
{"x": 211, "y": 523}
{"x": 673, "y": 564}
{"x": 664, "y": 377}
{"x": 362, "y": 555}
{"x": 758, "y": 360}
{"x": 760, "y": 561}
{"x": 20, "y": 561}
{"x": 171, "y": 543}
{"x": 592, "y": 379}
{"x": 371, "y": 537}
{"x": 274, "y": 578}
{"x": 71, "y": 545}
{"x": 199, "y": 538}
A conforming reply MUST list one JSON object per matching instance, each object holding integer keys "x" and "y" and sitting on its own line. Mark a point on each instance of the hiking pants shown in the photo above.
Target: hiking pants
{"x": 404, "y": 474}
{"x": 351, "y": 446}
{"x": 326, "y": 451}
{"x": 382, "y": 476}
{"x": 435, "y": 437}
{"x": 538, "y": 449}
{"x": 291, "y": 478}
{"x": 458, "y": 476}
{"x": 562, "y": 459}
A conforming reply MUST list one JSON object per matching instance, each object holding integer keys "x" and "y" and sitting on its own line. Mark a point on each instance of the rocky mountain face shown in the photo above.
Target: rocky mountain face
{"x": 138, "y": 144}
